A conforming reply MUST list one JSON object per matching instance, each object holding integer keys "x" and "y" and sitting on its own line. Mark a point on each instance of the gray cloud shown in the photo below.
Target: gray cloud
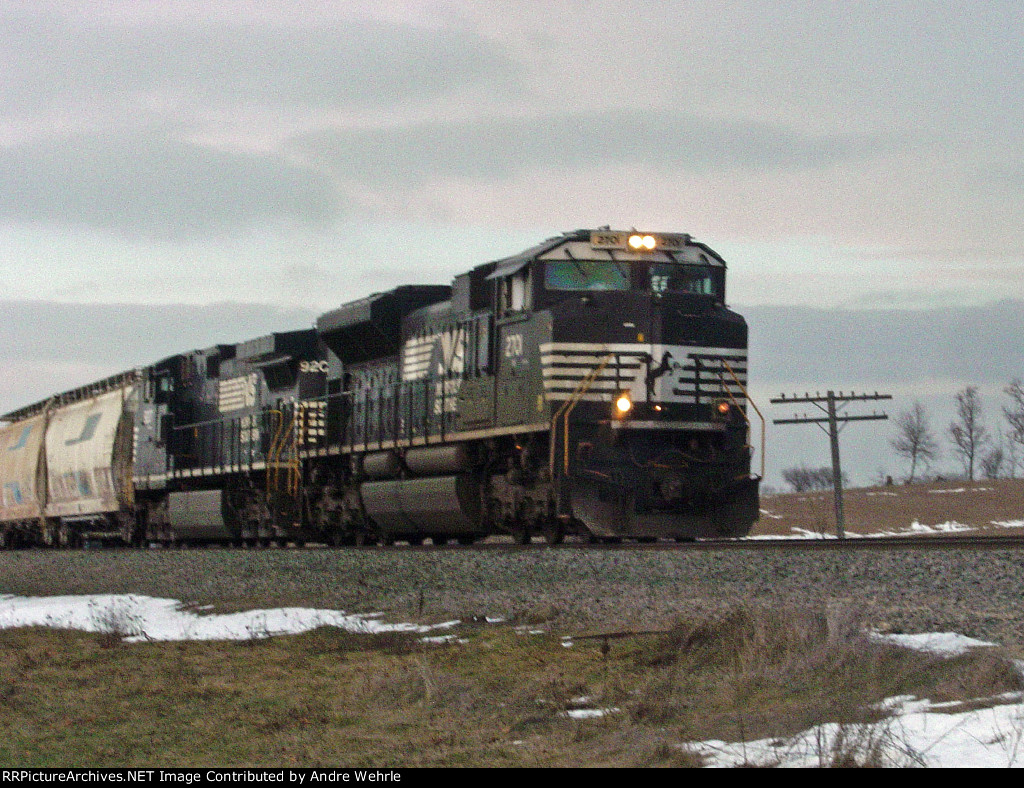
{"x": 500, "y": 148}
{"x": 156, "y": 187}
{"x": 122, "y": 336}
{"x": 49, "y": 60}
{"x": 886, "y": 347}
{"x": 789, "y": 344}
{"x": 937, "y": 69}
{"x": 47, "y": 347}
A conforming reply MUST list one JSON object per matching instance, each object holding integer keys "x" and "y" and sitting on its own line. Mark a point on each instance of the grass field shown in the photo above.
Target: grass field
{"x": 508, "y": 694}
{"x": 504, "y": 695}
{"x": 984, "y": 506}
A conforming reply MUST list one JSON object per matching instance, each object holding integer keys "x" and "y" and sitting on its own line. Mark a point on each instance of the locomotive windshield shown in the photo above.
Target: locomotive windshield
{"x": 674, "y": 278}
{"x": 586, "y": 275}
{"x": 614, "y": 275}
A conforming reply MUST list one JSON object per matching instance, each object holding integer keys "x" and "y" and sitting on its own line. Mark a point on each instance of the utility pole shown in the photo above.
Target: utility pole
{"x": 836, "y": 420}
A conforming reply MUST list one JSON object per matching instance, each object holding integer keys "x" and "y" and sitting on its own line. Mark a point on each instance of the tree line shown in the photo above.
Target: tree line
{"x": 973, "y": 444}
{"x": 979, "y": 450}
{"x": 803, "y": 479}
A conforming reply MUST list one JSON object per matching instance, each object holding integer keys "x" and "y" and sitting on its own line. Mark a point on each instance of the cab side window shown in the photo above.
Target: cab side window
{"x": 516, "y": 292}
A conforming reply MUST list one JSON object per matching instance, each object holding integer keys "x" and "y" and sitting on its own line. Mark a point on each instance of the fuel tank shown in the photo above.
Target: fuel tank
{"x": 443, "y": 505}
{"x": 198, "y": 514}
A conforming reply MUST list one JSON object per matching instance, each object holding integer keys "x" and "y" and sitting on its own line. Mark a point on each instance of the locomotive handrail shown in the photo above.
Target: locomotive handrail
{"x": 273, "y": 443}
{"x": 277, "y": 451}
{"x": 299, "y": 422}
{"x": 565, "y": 410}
{"x": 272, "y": 452}
{"x": 753, "y": 404}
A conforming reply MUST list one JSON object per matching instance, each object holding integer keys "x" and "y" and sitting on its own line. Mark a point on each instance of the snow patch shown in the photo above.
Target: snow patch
{"x": 950, "y": 526}
{"x": 589, "y": 714}
{"x": 920, "y": 734}
{"x": 140, "y": 618}
{"x": 946, "y": 644}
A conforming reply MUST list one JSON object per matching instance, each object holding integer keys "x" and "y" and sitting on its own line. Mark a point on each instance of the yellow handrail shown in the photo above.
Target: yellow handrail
{"x": 299, "y": 437}
{"x": 273, "y": 453}
{"x": 752, "y": 403}
{"x": 271, "y": 449}
{"x": 565, "y": 410}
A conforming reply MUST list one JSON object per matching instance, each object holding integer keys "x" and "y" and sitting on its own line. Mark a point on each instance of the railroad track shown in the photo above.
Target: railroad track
{"x": 967, "y": 583}
{"x": 505, "y": 544}
{"x": 930, "y": 542}
{"x": 922, "y": 541}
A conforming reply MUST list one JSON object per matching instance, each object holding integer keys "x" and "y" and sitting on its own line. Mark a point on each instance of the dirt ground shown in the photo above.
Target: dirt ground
{"x": 990, "y": 506}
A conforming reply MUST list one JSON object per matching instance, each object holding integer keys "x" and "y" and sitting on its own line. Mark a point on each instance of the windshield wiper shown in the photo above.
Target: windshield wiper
{"x": 578, "y": 267}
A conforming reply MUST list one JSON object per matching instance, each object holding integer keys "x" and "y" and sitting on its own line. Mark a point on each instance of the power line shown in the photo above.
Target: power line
{"x": 832, "y": 404}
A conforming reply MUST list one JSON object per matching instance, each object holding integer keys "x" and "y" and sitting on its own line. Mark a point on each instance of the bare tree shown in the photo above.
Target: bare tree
{"x": 914, "y": 438}
{"x": 1014, "y": 416}
{"x": 992, "y": 463}
{"x": 803, "y": 479}
{"x": 799, "y": 478}
{"x": 1012, "y": 459}
{"x": 968, "y": 433}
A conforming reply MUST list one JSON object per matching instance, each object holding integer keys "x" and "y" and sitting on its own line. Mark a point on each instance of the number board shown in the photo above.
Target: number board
{"x": 603, "y": 239}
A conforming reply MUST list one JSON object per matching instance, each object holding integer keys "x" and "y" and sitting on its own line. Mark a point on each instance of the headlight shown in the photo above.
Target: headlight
{"x": 642, "y": 242}
{"x": 623, "y": 404}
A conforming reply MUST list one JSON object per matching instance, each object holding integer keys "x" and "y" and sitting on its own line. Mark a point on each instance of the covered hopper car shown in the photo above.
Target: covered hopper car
{"x": 594, "y": 384}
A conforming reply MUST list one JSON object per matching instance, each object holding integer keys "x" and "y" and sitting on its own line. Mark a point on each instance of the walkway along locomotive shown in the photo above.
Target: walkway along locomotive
{"x": 593, "y": 384}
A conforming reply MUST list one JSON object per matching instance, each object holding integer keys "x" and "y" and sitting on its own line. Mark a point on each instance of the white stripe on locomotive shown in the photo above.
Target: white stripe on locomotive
{"x": 691, "y": 374}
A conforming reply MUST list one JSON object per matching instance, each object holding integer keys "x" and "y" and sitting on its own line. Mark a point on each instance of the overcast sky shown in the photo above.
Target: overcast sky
{"x": 854, "y": 157}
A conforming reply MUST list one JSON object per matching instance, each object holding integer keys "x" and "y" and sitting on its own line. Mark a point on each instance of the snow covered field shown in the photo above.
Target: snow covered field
{"x": 920, "y": 734}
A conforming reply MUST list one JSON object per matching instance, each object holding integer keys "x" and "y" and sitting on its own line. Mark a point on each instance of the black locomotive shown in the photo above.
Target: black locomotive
{"x": 593, "y": 384}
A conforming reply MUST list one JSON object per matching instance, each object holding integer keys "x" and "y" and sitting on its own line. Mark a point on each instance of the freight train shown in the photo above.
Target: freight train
{"x": 594, "y": 384}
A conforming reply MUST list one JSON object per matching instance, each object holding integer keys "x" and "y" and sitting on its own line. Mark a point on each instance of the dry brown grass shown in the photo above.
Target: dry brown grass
{"x": 894, "y": 509}
{"x": 502, "y": 698}
{"x": 759, "y": 672}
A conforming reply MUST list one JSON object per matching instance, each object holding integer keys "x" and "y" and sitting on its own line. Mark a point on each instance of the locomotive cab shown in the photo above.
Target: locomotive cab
{"x": 643, "y": 368}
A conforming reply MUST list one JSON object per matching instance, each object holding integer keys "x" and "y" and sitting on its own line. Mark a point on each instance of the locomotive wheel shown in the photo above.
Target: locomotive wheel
{"x": 554, "y": 531}
{"x": 66, "y": 536}
{"x": 520, "y": 532}
{"x": 466, "y": 540}
{"x": 415, "y": 541}
{"x": 439, "y": 541}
